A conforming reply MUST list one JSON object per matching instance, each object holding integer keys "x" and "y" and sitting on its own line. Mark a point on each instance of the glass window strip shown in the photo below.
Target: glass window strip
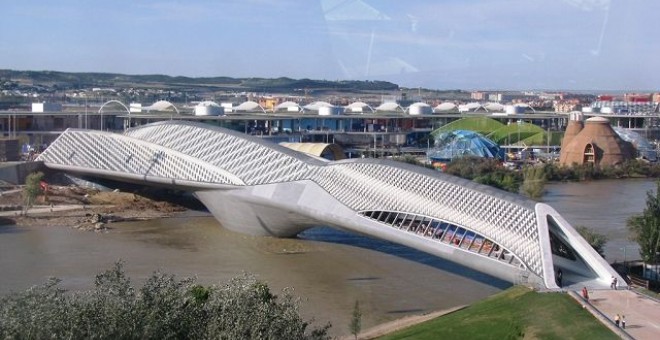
{"x": 481, "y": 247}
{"x": 460, "y": 243}
{"x": 396, "y": 220}
{"x": 439, "y": 230}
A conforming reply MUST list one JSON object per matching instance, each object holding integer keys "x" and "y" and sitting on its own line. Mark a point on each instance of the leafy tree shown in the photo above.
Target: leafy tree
{"x": 163, "y": 308}
{"x": 356, "y": 320}
{"x": 533, "y": 182}
{"x": 645, "y": 228}
{"x": 595, "y": 240}
{"x": 32, "y": 188}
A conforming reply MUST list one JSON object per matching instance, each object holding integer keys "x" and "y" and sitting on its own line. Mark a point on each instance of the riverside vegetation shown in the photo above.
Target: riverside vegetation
{"x": 163, "y": 308}
{"x": 532, "y": 178}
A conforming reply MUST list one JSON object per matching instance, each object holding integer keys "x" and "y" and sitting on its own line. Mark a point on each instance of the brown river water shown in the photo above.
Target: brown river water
{"x": 327, "y": 269}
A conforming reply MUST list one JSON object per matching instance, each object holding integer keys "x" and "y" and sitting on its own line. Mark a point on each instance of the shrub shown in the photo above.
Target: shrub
{"x": 534, "y": 182}
{"x": 486, "y": 171}
{"x": 163, "y": 308}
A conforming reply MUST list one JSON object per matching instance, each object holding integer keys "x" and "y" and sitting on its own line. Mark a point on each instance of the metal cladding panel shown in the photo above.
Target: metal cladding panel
{"x": 370, "y": 186}
{"x": 255, "y": 163}
{"x": 104, "y": 151}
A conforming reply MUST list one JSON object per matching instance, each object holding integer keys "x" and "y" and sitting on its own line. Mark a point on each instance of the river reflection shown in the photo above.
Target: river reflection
{"x": 328, "y": 269}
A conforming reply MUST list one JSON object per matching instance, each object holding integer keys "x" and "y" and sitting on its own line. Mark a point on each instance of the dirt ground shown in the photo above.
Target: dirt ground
{"x": 82, "y": 208}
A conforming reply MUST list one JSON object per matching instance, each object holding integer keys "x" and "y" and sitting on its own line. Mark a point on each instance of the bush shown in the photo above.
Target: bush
{"x": 582, "y": 172}
{"x": 534, "y": 182}
{"x": 164, "y": 308}
{"x": 486, "y": 171}
{"x": 32, "y": 188}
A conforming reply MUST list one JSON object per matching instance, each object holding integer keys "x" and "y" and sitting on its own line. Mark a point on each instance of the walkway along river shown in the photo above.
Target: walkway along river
{"x": 328, "y": 269}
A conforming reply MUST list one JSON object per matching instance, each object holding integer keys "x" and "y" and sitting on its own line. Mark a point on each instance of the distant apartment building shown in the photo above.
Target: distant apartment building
{"x": 637, "y": 98}
{"x": 268, "y": 103}
{"x": 655, "y": 98}
{"x": 478, "y": 95}
{"x": 629, "y": 103}
{"x": 508, "y": 97}
{"x": 567, "y": 105}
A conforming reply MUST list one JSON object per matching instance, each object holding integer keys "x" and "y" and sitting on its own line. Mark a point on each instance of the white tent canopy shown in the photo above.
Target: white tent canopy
{"x": 470, "y": 107}
{"x": 446, "y": 106}
{"x": 288, "y": 106}
{"x": 359, "y": 107}
{"x": 389, "y": 106}
{"x": 494, "y": 107}
{"x": 315, "y": 106}
{"x": 249, "y": 106}
{"x": 161, "y": 105}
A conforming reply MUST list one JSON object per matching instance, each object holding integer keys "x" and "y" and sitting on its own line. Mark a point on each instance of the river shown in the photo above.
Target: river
{"x": 603, "y": 206}
{"x": 327, "y": 269}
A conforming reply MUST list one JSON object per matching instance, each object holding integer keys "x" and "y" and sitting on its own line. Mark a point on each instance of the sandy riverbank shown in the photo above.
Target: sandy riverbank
{"x": 86, "y": 209}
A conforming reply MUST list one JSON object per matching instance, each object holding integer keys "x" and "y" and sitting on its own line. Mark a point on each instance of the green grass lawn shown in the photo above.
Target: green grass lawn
{"x": 513, "y": 314}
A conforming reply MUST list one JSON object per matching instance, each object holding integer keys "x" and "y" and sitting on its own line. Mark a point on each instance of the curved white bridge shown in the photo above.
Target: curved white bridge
{"x": 257, "y": 187}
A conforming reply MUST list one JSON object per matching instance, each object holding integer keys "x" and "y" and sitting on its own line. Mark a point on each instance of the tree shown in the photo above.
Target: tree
{"x": 595, "y": 240}
{"x": 32, "y": 188}
{"x": 645, "y": 227}
{"x": 533, "y": 182}
{"x": 356, "y": 320}
{"x": 163, "y": 308}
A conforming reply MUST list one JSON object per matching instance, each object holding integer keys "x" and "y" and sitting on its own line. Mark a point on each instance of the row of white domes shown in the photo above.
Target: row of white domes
{"x": 210, "y": 108}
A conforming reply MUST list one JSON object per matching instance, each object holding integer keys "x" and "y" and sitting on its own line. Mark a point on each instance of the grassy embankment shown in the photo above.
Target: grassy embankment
{"x": 513, "y": 314}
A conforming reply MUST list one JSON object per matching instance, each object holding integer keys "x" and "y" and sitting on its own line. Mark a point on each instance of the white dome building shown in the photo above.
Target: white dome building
{"x": 208, "y": 108}
{"x": 420, "y": 108}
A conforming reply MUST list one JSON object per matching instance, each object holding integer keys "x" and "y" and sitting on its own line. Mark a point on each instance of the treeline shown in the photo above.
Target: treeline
{"x": 492, "y": 172}
{"x": 163, "y": 308}
{"x": 86, "y": 79}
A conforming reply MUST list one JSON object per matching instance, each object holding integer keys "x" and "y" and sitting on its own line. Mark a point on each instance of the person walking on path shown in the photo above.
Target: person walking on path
{"x": 616, "y": 320}
{"x": 585, "y": 294}
{"x": 623, "y": 321}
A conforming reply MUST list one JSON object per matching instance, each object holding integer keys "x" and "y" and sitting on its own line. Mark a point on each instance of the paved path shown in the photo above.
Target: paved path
{"x": 642, "y": 313}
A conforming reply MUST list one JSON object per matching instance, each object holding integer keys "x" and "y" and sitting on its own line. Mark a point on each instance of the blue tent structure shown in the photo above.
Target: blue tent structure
{"x": 460, "y": 143}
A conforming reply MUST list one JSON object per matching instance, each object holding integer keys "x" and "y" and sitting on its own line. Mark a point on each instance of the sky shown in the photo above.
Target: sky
{"x": 436, "y": 44}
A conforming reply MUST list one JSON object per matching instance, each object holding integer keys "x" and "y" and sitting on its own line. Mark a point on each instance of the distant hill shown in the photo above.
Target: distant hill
{"x": 91, "y": 79}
